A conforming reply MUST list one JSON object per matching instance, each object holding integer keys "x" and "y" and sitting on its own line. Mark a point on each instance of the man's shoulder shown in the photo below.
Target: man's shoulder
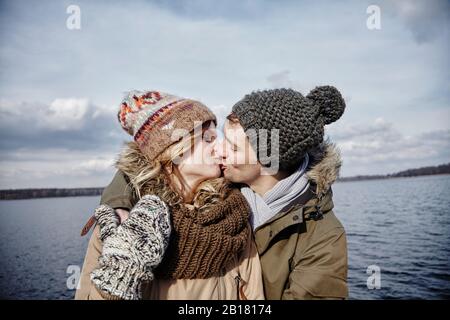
{"x": 329, "y": 225}
{"x": 118, "y": 194}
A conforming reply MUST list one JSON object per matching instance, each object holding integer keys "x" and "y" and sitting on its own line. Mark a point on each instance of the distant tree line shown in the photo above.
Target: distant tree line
{"x": 425, "y": 171}
{"x": 48, "y": 193}
{"x": 79, "y": 192}
{"x": 442, "y": 169}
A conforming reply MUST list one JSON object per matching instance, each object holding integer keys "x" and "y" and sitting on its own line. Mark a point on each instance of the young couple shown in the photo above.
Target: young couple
{"x": 250, "y": 217}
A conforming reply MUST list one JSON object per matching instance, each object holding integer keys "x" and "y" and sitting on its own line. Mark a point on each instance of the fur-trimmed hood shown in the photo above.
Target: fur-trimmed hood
{"x": 326, "y": 171}
{"x": 131, "y": 160}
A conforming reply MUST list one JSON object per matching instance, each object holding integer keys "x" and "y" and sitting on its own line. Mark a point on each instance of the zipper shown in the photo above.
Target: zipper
{"x": 237, "y": 280}
{"x": 220, "y": 284}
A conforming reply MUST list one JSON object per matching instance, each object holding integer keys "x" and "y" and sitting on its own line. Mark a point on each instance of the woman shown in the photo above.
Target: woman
{"x": 188, "y": 236}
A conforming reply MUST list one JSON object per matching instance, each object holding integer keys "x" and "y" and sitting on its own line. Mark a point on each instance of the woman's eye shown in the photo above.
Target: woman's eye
{"x": 209, "y": 137}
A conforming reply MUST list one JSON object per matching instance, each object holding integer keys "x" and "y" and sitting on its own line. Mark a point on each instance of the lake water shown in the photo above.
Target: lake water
{"x": 401, "y": 226}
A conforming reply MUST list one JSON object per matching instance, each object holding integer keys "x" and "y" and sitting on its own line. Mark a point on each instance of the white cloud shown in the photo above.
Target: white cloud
{"x": 379, "y": 148}
{"x": 217, "y": 53}
{"x": 56, "y": 168}
{"x": 92, "y": 166}
{"x": 74, "y": 122}
{"x": 66, "y": 114}
{"x": 425, "y": 19}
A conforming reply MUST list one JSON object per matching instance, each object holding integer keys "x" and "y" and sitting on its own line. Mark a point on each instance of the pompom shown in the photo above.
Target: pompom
{"x": 330, "y": 102}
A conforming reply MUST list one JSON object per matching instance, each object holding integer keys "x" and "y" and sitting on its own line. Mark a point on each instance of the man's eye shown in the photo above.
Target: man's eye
{"x": 234, "y": 147}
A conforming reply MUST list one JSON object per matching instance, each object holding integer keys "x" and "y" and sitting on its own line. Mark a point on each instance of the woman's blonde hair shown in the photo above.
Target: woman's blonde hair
{"x": 149, "y": 177}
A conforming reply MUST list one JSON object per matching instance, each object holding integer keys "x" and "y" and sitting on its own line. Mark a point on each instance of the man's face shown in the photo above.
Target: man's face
{"x": 238, "y": 159}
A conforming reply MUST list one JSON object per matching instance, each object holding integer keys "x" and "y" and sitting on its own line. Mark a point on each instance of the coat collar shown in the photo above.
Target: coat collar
{"x": 326, "y": 171}
{"x": 321, "y": 175}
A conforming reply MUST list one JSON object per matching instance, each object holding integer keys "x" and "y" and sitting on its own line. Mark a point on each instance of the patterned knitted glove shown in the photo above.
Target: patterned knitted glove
{"x": 133, "y": 249}
{"x": 108, "y": 221}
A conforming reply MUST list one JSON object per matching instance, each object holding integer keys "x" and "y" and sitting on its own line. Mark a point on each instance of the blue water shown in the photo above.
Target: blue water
{"x": 401, "y": 226}
{"x": 39, "y": 239}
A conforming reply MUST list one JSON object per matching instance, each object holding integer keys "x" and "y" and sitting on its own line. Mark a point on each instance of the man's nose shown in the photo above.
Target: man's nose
{"x": 219, "y": 149}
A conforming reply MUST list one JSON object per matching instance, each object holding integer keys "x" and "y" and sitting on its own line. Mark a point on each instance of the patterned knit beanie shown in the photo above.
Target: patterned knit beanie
{"x": 300, "y": 120}
{"x": 152, "y": 117}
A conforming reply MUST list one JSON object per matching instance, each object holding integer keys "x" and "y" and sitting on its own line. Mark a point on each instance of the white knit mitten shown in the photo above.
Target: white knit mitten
{"x": 132, "y": 249}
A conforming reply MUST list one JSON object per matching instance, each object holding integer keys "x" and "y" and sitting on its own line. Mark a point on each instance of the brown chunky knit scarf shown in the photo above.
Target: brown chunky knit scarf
{"x": 202, "y": 243}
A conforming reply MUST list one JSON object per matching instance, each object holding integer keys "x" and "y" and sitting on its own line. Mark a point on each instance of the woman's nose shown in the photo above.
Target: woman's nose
{"x": 217, "y": 149}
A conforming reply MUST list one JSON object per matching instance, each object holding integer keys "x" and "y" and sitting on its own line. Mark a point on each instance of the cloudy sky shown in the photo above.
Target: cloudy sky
{"x": 60, "y": 87}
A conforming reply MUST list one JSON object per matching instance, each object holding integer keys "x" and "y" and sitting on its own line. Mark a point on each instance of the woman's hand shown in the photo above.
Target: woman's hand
{"x": 123, "y": 214}
{"x": 131, "y": 249}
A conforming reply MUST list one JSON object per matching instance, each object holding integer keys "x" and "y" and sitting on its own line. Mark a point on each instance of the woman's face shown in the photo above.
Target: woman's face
{"x": 201, "y": 163}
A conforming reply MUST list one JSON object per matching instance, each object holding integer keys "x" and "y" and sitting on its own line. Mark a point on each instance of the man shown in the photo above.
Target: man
{"x": 301, "y": 243}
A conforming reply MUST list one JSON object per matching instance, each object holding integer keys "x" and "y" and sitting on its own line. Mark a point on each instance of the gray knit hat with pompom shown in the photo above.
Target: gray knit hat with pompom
{"x": 300, "y": 120}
